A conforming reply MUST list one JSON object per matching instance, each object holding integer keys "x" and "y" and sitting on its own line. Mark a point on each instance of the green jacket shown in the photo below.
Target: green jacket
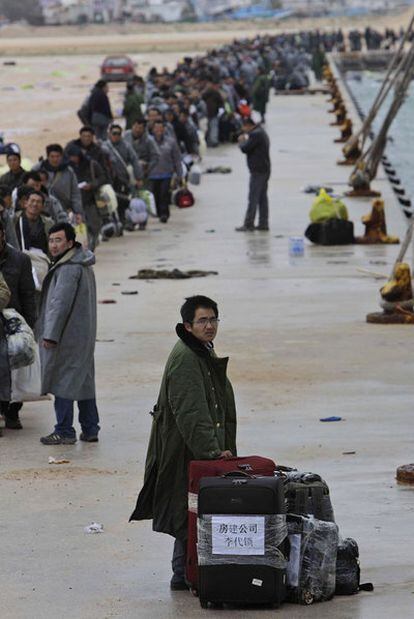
{"x": 132, "y": 108}
{"x": 194, "y": 419}
{"x": 260, "y": 93}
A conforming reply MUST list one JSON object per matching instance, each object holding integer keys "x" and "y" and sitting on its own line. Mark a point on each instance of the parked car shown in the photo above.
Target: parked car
{"x": 117, "y": 68}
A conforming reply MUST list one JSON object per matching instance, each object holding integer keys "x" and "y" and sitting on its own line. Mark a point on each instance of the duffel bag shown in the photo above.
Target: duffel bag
{"x": 331, "y": 232}
{"x": 184, "y": 198}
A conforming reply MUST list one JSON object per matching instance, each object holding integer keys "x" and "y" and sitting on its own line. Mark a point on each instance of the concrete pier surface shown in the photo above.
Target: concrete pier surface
{"x": 299, "y": 350}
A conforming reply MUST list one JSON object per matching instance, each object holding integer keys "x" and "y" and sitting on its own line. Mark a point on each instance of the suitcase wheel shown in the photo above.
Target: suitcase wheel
{"x": 307, "y": 598}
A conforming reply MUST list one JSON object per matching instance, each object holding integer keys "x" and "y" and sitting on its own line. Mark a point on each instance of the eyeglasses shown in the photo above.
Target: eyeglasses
{"x": 203, "y": 322}
{"x": 116, "y": 133}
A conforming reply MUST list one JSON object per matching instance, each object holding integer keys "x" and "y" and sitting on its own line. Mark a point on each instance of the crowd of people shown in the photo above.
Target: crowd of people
{"x": 105, "y": 179}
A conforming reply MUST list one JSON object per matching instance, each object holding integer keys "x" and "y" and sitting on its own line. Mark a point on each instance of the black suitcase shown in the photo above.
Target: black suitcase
{"x": 242, "y": 541}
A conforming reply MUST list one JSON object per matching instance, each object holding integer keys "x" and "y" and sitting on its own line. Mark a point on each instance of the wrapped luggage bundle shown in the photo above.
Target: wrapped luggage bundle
{"x": 311, "y": 571}
{"x": 21, "y": 344}
{"x": 330, "y": 225}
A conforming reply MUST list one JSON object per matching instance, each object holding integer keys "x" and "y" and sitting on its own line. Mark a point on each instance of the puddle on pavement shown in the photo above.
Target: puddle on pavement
{"x": 259, "y": 250}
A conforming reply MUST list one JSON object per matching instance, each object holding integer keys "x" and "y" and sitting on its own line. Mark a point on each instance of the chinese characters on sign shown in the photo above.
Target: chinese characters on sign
{"x": 238, "y": 535}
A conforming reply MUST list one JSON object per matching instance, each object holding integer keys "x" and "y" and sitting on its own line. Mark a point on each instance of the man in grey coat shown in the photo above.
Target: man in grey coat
{"x": 61, "y": 181}
{"x": 121, "y": 156}
{"x": 67, "y": 333}
{"x": 143, "y": 144}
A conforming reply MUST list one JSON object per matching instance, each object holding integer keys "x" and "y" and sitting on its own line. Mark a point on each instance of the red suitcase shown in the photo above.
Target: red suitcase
{"x": 254, "y": 465}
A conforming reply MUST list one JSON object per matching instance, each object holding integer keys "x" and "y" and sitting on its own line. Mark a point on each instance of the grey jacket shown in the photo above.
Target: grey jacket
{"x": 121, "y": 156}
{"x": 5, "y": 379}
{"x": 68, "y": 317}
{"x": 169, "y": 161}
{"x": 63, "y": 185}
{"x": 145, "y": 147}
{"x": 55, "y": 210}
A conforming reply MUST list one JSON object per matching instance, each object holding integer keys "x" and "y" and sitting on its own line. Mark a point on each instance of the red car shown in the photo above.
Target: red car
{"x": 117, "y": 68}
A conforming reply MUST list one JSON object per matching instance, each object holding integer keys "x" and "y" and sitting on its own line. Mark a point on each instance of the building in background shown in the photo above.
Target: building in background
{"x": 105, "y": 11}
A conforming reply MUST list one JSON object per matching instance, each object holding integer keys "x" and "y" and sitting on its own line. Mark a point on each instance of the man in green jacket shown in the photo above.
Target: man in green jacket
{"x": 194, "y": 419}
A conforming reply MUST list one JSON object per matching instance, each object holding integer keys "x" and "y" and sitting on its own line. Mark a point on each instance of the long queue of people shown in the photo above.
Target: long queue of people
{"x": 107, "y": 178}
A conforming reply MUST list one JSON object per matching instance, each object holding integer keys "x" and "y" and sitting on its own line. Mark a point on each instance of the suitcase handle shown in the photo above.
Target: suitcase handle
{"x": 238, "y": 474}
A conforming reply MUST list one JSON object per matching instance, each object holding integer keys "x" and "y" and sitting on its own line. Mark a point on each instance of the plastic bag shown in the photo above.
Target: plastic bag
{"x": 4, "y": 292}
{"x": 26, "y": 382}
{"x": 149, "y": 200}
{"x": 195, "y": 175}
{"x": 21, "y": 344}
{"x": 326, "y": 207}
{"x": 82, "y": 235}
{"x": 40, "y": 266}
{"x": 105, "y": 197}
{"x": 136, "y": 213}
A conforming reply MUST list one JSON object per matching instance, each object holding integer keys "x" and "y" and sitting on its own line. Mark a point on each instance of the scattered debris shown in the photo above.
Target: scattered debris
{"x": 219, "y": 169}
{"x": 337, "y": 262}
{"x": 373, "y": 274}
{"x": 107, "y": 301}
{"x": 333, "y": 418}
{"x": 53, "y": 460}
{"x": 316, "y": 189}
{"x": 129, "y": 292}
{"x": 104, "y": 340}
{"x": 116, "y": 284}
{"x": 210, "y": 231}
{"x": 9, "y": 63}
{"x": 174, "y": 274}
{"x": 94, "y": 527}
{"x": 348, "y": 453}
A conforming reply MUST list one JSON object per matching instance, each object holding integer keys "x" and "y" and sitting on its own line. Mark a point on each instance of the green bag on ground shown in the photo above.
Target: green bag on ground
{"x": 326, "y": 207}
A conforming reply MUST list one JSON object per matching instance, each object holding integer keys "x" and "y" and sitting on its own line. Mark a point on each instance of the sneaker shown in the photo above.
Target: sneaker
{"x": 89, "y": 439}
{"x": 163, "y": 219}
{"x": 245, "y": 229}
{"x": 56, "y": 439}
{"x": 13, "y": 424}
{"x": 263, "y": 228}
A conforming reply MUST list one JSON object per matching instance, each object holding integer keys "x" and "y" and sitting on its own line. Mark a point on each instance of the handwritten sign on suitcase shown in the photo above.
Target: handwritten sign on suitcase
{"x": 238, "y": 535}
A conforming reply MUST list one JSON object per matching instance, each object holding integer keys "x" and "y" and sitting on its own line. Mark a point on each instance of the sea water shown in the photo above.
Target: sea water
{"x": 365, "y": 85}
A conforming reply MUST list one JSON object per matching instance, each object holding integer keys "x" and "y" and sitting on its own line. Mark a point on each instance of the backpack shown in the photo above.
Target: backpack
{"x": 306, "y": 493}
{"x": 348, "y": 571}
{"x": 85, "y": 112}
